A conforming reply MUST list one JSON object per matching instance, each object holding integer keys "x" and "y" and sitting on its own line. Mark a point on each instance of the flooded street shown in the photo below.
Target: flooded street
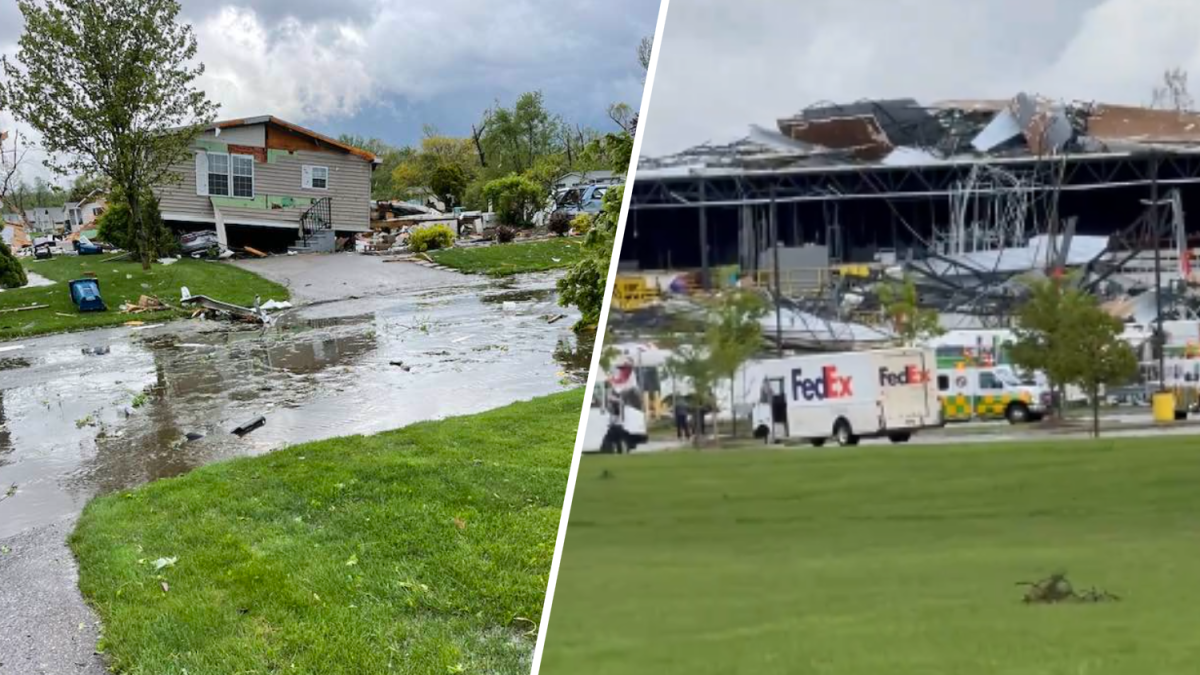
{"x": 89, "y": 413}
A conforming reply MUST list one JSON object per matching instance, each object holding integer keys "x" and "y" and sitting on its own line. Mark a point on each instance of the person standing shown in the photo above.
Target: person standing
{"x": 682, "y": 429}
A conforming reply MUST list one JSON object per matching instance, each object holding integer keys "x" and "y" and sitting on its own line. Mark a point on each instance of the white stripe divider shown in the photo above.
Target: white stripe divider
{"x": 630, "y": 176}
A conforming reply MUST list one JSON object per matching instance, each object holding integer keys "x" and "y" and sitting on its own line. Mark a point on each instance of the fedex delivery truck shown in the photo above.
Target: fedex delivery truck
{"x": 889, "y": 393}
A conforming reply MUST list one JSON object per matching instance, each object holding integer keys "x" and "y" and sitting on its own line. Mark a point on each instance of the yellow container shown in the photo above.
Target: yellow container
{"x": 1163, "y": 405}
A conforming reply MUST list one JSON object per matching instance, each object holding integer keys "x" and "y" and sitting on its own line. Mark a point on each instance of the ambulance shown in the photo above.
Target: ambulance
{"x": 887, "y": 393}
{"x": 973, "y": 386}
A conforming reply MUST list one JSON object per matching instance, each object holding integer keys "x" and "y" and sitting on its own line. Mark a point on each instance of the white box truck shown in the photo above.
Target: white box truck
{"x": 888, "y": 393}
{"x": 615, "y": 421}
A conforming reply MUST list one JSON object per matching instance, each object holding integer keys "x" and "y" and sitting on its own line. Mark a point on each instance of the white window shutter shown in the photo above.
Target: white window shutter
{"x": 306, "y": 177}
{"x": 202, "y": 173}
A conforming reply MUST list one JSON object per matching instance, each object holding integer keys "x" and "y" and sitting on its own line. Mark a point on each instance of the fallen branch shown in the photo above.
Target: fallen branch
{"x": 24, "y": 309}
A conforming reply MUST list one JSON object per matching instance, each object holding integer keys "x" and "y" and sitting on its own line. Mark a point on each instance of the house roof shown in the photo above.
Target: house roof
{"x": 295, "y": 128}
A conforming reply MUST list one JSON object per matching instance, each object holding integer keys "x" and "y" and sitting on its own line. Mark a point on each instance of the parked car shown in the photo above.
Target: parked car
{"x": 584, "y": 198}
{"x": 87, "y": 248}
{"x": 198, "y": 242}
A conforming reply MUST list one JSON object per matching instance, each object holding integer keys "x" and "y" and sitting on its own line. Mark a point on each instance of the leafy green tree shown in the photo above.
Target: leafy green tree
{"x": 902, "y": 309}
{"x": 733, "y": 334}
{"x": 611, "y": 151}
{"x": 87, "y": 187}
{"x": 547, "y": 170}
{"x": 1043, "y": 334}
{"x": 515, "y": 137}
{"x": 515, "y": 198}
{"x": 116, "y": 226}
{"x": 109, "y": 86}
{"x": 449, "y": 161}
{"x": 12, "y": 275}
{"x": 583, "y": 285}
{"x": 645, "y": 50}
{"x": 1100, "y": 356}
{"x": 689, "y": 362}
{"x": 449, "y": 182}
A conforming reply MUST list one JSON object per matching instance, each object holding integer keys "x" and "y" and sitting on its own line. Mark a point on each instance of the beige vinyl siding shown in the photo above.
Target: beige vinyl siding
{"x": 254, "y": 135}
{"x": 349, "y": 188}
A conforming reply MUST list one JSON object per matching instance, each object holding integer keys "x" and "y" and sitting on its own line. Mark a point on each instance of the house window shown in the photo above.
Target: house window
{"x": 320, "y": 178}
{"x": 243, "y": 176}
{"x": 218, "y": 174}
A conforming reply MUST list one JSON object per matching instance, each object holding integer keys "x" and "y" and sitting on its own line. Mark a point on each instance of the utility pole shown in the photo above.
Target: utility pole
{"x": 1160, "y": 337}
{"x": 775, "y": 274}
{"x": 705, "y": 281}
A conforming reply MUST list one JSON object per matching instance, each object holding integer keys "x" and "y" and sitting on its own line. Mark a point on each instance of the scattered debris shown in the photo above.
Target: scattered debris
{"x": 193, "y": 436}
{"x": 119, "y": 256}
{"x": 1057, "y": 588}
{"x": 164, "y": 562}
{"x": 14, "y": 363}
{"x": 400, "y": 364}
{"x": 250, "y": 426}
{"x": 96, "y": 351}
{"x": 145, "y": 303}
{"x": 168, "y": 261}
{"x": 556, "y": 318}
{"x": 254, "y": 252}
{"x": 23, "y": 309}
{"x": 275, "y": 304}
{"x": 12, "y": 490}
{"x": 237, "y": 311}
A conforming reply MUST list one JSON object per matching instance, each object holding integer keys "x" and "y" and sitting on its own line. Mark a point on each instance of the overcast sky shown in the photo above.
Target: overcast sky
{"x": 724, "y": 65}
{"x": 384, "y": 68}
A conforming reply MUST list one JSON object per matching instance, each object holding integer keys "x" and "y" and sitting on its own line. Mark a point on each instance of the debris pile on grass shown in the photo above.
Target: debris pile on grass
{"x": 1057, "y": 588}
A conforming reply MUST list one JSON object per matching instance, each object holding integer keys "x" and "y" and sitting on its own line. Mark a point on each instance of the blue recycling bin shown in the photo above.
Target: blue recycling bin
{"x": 85, "y": 293}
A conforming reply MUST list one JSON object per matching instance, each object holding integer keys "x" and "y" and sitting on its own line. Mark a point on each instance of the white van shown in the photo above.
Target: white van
{"x": 616, "y": 422}
{"x": 888, "y": 393}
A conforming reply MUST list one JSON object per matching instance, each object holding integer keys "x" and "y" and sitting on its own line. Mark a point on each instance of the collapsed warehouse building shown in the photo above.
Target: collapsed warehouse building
{"x": 963, "y": 197}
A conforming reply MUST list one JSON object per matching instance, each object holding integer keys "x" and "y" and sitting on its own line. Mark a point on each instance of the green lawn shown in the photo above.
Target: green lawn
{"x": 422, "y": 550}
{"x": 881, "y": 560}
{"x": 119, "y": 282}
{"x": 501, "y": 260}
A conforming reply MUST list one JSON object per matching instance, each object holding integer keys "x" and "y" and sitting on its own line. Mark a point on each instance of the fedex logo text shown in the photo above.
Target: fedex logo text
{"x": 828, "y": 385}
{"x": 910, "y": 375}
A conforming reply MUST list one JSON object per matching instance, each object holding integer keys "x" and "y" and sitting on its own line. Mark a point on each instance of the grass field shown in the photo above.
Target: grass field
{"x": 422, "y": 550}
{"x": 120, "y": 282}
{"x": 507, "y": 259}
{"x": 882, "y": 560}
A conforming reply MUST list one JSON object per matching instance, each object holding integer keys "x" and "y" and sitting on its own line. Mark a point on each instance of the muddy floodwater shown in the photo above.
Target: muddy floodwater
{"x": 94, "y": 412}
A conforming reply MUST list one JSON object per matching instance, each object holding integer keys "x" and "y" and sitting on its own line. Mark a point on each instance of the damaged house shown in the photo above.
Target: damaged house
{"x": 271, "y": 185}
